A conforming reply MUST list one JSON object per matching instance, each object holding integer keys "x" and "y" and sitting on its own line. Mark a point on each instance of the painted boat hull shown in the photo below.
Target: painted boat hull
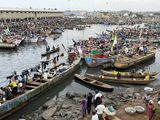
{"x": 94, "y": 62}
{"x": 120, "y": 63}
{"x": 131, "y": 81}
{"x": 9, "y": 107}
{"x": 128, "y": 74}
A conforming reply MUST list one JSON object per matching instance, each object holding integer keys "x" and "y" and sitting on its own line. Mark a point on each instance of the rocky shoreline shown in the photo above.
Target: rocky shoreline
{"x": 68, "y": 107}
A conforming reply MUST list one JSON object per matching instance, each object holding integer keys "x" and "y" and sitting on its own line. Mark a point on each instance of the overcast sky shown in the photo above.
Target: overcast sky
{"x": 90, "y": 5}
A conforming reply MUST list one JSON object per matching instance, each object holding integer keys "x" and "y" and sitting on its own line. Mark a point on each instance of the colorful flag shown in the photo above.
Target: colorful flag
{"x": 91, "y": 42}
{"x": 114, "y": 42}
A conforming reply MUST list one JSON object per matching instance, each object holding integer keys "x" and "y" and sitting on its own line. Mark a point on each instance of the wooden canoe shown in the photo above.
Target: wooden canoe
{"x": 123, "y": 62}
{"x": 50, "y": 52}
{"x": 34, "y": 88}
{"x": 128, "y": 74}
{"x": 95, "y": 83}
{"x": 122, "y": 80}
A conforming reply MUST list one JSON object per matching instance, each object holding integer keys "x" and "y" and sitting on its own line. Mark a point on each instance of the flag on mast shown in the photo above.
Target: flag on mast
{"x": 114, "y": 42}
{"x": 91, "y": 42}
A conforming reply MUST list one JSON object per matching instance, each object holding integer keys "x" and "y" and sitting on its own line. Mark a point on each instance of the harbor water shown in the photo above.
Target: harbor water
{"x": 29, "y": 55}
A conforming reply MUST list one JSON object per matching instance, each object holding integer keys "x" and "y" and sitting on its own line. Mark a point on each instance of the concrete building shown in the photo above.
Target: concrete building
{"x": 15, "y": 14}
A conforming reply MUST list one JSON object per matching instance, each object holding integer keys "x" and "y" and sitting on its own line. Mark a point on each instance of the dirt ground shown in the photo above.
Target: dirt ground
{"x": 137, "y": 116}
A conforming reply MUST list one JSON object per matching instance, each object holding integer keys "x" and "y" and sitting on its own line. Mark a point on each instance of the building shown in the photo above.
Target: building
{"x": 16, "y": 14}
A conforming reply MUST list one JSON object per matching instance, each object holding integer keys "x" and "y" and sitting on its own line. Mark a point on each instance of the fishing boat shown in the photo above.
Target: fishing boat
{"x": 121, "y": 80}
{"x": 128, "y": 74}
{"x": 95, "y": 83}
{"x": 50, "y": 52}
{"x": 34, "y": 88}
{"x": 94, "y": 62}
{"x": 123, "y": 62}
{"x": 7, "y": 45}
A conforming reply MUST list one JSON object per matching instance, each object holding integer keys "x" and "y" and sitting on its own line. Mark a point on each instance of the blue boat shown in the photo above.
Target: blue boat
{"x": 94, "y": 62}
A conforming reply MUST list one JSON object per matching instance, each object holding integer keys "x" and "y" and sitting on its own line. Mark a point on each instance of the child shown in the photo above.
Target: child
{"x": 84, "y": 106}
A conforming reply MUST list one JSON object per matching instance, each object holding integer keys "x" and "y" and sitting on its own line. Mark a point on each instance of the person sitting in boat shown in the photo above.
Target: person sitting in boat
{"x": 145, "y": 50}
{"x": 47, "y": 49}
{"x": 62, "y": 68}
{"x": 8, "y": 93}
{"x": 140, "y": 50}
{"x": 2, "y": 94}
{"x": 115, "y": 73}
{"x": 13, "y": 85}
{"x": 147, "y": 76}
{"x": 119, "y": 75}
{"x": 20, "y": 87}
{"x": 53, "y": 48}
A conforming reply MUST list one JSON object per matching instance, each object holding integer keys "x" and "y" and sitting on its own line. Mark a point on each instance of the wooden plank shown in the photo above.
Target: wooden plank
{"x": 32, "y": 87}
{"x": 34, "y": 83}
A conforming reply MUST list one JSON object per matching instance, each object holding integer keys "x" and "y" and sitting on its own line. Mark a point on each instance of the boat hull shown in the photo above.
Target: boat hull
{"x": 94, "y": 62}
{"x": 121, "y": 63}
{"x": 50, "y": 52}
{"x": 127, "y": 74}
{"x": 94, "y": 83}
{"x": 131, "y": 81}
{"x": 13, "y": 105}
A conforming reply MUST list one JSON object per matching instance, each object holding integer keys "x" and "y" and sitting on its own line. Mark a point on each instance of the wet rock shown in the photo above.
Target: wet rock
{"x": 49, "y": 104}
{"x": 76, "y": 100}
{"x": 66, "y": 106}
{"x": 129, "y": 91}
{"x": 137, "y": 95}
{"x": 70, "y": 95}
{"x": 48, "y": 113}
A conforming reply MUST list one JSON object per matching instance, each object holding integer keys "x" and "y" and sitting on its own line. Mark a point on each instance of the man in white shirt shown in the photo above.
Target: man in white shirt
{"x": 97, "y": 98}
{"x": 95, "y": 116}
{"x": 100, "y": 108}
{"x": 98, "y": 95}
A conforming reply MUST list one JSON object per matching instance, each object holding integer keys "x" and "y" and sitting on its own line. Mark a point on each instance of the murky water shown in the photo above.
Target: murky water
{"x": 29, "y": 55}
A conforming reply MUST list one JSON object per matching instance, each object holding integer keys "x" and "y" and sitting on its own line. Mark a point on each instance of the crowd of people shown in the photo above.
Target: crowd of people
{"x": 94, "y": 103}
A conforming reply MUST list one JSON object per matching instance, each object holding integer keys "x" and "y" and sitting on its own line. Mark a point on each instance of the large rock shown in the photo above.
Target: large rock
{"x": 66, "y": 106}
{"x": 77, "y": 100}
{"x": 49, "y": 113}
{"x": 49, "y": 104}
{"x": 72, "y": 95}
{"x": 129, "y": 91}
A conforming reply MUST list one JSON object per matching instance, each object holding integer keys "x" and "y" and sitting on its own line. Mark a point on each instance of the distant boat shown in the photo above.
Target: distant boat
{"x": 50, "y": 52}
{"x": 35, "y": 39}
{"x": 95, "y": 83}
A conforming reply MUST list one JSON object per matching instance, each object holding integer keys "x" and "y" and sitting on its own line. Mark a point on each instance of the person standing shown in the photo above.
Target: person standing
{"x": 97, "y": 98}
{"x": 89, "y": 102}
{"x": 94, "y": 116}
{"x": 100, "y": 108}
{"x": 150, "y": 110}
{"x": 84, "y": 106}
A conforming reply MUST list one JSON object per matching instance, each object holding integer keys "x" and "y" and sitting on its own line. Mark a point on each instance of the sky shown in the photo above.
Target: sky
{"x": 89, "y": 5}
